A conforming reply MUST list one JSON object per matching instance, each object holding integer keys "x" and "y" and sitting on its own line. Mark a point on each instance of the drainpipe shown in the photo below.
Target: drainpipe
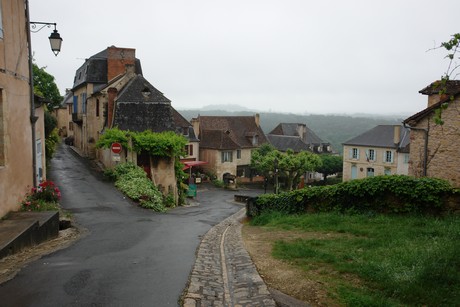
{"x": 425, "y": 157}
{"x": 33, "y": 118}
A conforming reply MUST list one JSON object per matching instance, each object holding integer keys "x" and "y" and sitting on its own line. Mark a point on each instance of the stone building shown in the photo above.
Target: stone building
{"x": 22, "y": 136}
{"x": 226, "y": 143}
{"x": 435, "y": 147}
{"x": 383, "y": 150}
{"x": 63, "y": 114}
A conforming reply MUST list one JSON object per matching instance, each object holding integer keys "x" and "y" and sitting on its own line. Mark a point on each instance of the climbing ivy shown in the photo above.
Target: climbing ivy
{"x": 111, "y": 136}
{"x": 163, "y": 144}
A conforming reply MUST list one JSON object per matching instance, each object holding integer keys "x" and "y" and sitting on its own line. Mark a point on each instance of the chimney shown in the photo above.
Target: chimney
{"x": 397, "y": 134}
{"x": 196, "y": 126}
{"x": 117, "y": 59}
{"x": 112, "y": 94}
{"x": 130, "y": 70}
{"x": 257, "y": 119}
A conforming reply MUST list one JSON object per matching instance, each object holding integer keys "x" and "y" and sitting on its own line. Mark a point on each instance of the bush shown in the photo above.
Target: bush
{"x": 133, "y": 182}
{"x": 218, "y": 183}
{"x": 383, "y": 194}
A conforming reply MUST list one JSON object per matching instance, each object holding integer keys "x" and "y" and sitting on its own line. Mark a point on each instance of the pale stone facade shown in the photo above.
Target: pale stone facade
{"x": 17, "y": 169}
{"x": 443, "y": 154}
{"x": 382, "y": 150}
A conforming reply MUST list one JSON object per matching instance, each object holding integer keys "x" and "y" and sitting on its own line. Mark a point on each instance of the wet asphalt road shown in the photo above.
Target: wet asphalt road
{"x": 130, "y": 256}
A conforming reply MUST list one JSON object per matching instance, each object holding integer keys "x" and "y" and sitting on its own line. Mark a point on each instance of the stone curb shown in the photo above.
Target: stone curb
{"x": 223, "y": 274}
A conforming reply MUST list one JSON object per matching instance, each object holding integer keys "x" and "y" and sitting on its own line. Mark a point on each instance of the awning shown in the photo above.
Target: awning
{"x": 190, "y": 164}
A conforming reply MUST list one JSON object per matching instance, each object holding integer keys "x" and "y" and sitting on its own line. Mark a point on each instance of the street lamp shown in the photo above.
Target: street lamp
{"x": 55, "y": 38}
{"x": 55, "y": 41}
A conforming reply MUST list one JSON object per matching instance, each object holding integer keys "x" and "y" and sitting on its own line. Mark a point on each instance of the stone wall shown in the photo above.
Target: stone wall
{"x": 443, "y": 146}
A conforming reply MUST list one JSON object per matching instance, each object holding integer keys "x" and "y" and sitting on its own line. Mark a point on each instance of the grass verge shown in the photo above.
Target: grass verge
{"x": 375, "y": 260}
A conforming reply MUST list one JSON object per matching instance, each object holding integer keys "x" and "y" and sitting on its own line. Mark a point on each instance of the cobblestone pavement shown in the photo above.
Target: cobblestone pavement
{"x": 223, "y": 274}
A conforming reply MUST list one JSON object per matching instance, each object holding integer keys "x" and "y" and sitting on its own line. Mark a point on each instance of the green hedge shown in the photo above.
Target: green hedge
{"x": 380, "y": 194}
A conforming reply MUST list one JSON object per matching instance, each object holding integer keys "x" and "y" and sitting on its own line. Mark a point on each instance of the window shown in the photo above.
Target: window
{"x": 238, "y": 153}
{"x": 70, "y": 109}
{"x": 97, "y": 107}
{"x": 370, "y": 172}
{"x": 227, "y": 156}
{"x": 320, "y": 148}
{"x": 255, "y": 140}
{"x": 354, "y": 153}
{"x": 2, "y": 132}
{"x": 189, "y": 150}
{"x": 388, "y": 156}
{"x": 185, "y": 131}
{"x": 387, "y": 171}
{"x": 406, "y": 158}
{"x": 370, "y": 155}
{"x": 70, "y": 126}
{"x": 75, "y": 104}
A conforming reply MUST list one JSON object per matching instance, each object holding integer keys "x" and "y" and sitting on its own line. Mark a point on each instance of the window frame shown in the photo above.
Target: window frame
{"x": 227, "y": 156}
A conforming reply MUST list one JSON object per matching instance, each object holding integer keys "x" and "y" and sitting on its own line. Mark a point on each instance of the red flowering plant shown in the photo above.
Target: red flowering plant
{"x": 44, "y": 197}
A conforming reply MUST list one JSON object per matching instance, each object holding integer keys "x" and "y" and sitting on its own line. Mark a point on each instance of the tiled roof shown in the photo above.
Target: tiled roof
{"x": 452, "y": 88}
{"x": 283, "y": 143}
{"x": 217, "y": 139}
{"x": 240, "y": 129}
{"x": 381, "y": 136}
{"x": 140, "y": 106}
{"x": 290, "y": 129}
{"x": 414, "y": 119}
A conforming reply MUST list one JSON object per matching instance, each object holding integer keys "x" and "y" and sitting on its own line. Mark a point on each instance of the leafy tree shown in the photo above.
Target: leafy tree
{"x": 330, "y": 165}
{"x": 45, "y": 86}
{"x": 288, "y": 165}
{"x": 293, "y": 166}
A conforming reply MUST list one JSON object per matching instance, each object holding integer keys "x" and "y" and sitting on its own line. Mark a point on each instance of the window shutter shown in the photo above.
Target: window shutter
{"x": 222, "y": 156}
{"x": 191, "y": 149}
{"x": 392, "y": 156}
{"x": 357, "y": 151}
{"x": 350, "y": 153}
{"x": 75, "y": 104}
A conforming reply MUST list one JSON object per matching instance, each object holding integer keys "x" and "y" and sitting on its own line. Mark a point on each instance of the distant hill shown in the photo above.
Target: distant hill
{"x": 335, "y": 129}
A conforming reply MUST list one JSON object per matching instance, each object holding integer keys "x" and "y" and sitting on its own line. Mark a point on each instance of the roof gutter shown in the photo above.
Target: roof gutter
{"x": 425, "y": 151}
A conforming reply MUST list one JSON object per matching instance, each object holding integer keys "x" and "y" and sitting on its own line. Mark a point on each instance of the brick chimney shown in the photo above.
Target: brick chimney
{"x": 397, "y": 134}
{"x": 111, "y": 95}
{"x": 117, "y": 59}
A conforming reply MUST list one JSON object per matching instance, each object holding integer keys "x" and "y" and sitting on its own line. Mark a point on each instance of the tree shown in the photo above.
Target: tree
{"x": 288, "y": 165}
{"x": 452, "y": 47}
{"x": 330, "y": 165}
{"x": 45, "y": 86}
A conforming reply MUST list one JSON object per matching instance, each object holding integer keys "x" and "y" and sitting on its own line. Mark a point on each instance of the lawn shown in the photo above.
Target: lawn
{"x": 376, "y": 260}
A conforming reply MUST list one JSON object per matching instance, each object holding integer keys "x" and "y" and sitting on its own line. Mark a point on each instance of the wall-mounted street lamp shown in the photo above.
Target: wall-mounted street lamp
{"x": 55, "y": 38}
{"x": 55, "y": 41}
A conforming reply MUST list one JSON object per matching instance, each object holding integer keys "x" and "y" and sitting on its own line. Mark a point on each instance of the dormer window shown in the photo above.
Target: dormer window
{"x": 146, "y": 92}
{"x": 185, "y": 131}
{"x": 255, "y": 140}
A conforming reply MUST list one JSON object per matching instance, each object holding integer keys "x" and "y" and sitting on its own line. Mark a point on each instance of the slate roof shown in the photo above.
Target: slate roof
{"x": 283, "y": 142}
{"x": 181, "y": 123}
{"x": 290, "y": 129}
{"x": 381, "y": 136}
{"x": 229, "y": 132}
{"x": 68, "y": 99}
{"x": 94, "y": 70}
{"x": 140, "y": 106}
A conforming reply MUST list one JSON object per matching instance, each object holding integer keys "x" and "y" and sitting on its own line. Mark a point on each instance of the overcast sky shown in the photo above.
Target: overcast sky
{"x": 297, "y": 56}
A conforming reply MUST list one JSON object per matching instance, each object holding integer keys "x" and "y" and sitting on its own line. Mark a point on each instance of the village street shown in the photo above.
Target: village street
{"x": 129, "y": 257}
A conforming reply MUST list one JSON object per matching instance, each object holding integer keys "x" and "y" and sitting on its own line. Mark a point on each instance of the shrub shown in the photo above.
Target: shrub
{"x": 45, "y": 197}
{"x": 133, "y": 182}
{"x": 218, "y": 183}
{"x": 384, "y": 194}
